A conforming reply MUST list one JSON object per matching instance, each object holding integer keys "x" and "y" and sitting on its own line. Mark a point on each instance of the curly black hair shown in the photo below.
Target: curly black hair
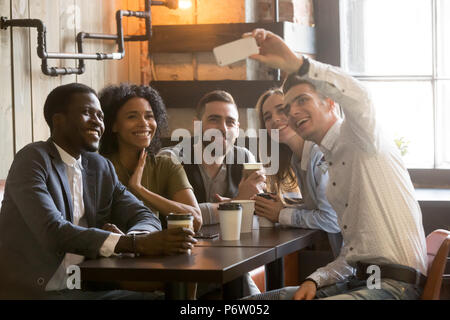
{"x": 59, "y": 99}
{"x": 113, "y": 97}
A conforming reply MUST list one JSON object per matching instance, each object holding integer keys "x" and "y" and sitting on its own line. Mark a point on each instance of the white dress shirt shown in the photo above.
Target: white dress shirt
{"x": 75, "y": 180}
{"x": 369, "y": 186}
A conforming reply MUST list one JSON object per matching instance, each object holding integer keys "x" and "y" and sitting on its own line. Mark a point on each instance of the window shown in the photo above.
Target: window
{"x": 400, "y": 49}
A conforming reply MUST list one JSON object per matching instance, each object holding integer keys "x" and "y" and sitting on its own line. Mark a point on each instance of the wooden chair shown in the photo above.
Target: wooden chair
{"x": 290, "y": 273}
{"x": 258, "y": 276}
{"x": 438, "y": 247}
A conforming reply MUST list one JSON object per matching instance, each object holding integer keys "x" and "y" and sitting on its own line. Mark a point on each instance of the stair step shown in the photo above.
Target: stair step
{"x": 186, "y": 94}
{"x": 204, "y": 37}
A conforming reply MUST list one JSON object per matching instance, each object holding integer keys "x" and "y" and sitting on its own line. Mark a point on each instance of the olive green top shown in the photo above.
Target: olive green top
{"x": 160, "y": 176}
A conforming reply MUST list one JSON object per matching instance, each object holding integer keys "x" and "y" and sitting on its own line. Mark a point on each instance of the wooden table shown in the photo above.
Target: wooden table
{"x": 205, "y": 264}
{"x": 213, "y": 261}
{"x": 284, "y": 240}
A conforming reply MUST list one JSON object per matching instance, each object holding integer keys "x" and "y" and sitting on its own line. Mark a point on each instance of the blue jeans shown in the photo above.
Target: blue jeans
{"x": 103, "y": 295}
{"x": 351, "y": 290}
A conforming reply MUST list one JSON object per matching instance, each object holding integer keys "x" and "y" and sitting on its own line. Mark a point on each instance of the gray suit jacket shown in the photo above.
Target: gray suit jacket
{"x": 36, "y": 227}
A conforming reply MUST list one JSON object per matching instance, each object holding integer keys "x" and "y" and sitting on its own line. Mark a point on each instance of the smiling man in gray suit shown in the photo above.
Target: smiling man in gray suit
{"x": 63, "y": 203}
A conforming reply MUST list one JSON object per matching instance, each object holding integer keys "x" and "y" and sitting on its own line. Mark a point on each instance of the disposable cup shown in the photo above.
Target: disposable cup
{"x": 265, "y": 223}
{"x": 230, "y": 217}
{"x": 249, "y": 168}
{"x": 248, "y": 208}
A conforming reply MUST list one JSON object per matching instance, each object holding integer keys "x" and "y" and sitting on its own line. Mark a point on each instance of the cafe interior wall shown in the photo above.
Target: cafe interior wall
{"x": 24, "y": 87}
{"x": 201, "y": 65}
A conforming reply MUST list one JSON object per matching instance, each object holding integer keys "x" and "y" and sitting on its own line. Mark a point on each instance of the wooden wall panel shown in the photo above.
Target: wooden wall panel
{"x": 24, "y": 87}
{"x": 163, "y": 16}
{"x": 173, "y": 66}
{"x": 23, "y": 126}
{"x": 48, "y": 11}
{"x": 69, "y": 15}
{"x": 208, "y": 69}
{"x": 134, "y": 48}
{"x": 219, "y": 11}
{"x": 114, "y": 70}
{"x": 6, "y": 110}
{"x": 91, "y": 21}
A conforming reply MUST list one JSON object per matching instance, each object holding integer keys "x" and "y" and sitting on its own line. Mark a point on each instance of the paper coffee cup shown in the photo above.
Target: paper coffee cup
{"x": 180, "y": 221}
{"x": 230, "y": 217}
{"x": 248, "y": 208}
{"x": 249, "y": 168}
{"x": 265, "y": 223}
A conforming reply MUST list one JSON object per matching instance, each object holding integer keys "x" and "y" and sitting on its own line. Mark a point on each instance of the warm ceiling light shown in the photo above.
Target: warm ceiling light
{"x": 184, "y": 4}
{"x": 173, "y": 4}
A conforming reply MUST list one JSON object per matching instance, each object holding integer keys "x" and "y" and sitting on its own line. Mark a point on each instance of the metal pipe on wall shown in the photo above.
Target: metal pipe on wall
{"x": 120, "y": 38}
{"x": 276, "y": 18}
{"x": 276, "y": 11}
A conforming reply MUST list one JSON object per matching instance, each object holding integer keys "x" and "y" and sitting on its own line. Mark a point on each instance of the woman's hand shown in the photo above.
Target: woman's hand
{"x": 269, "y": 209}
{"x": 135, "y": 181}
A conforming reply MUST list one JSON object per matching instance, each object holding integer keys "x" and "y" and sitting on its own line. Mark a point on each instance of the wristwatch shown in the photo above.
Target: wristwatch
{"x": 304, "y": 69}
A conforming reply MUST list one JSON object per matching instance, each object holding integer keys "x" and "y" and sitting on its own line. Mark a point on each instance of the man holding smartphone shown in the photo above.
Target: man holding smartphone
{"x": 369, "y": 186}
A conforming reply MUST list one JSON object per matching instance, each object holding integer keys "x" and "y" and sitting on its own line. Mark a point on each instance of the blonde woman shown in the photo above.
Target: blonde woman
{"x": 300, "y": 164}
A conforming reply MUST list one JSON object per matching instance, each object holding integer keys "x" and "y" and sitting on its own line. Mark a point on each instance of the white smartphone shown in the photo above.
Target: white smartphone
{"x": 235, "y": 51}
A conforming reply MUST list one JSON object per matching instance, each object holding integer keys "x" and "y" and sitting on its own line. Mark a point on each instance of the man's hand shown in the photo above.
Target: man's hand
{"x": 253, "y": 184}
{"x": 274, "y": 52}
{"x": 307, "y": 291}
{"x": 218, "y": 198}
{"x": 269, "y": 209}
{"x": 166, "y": 242}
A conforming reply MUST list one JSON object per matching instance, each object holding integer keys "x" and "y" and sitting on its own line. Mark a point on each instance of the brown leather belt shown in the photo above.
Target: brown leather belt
{"x": 392, "y": 271}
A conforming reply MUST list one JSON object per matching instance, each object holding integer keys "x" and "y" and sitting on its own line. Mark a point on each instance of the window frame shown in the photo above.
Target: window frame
{"x": 328, "y": 30}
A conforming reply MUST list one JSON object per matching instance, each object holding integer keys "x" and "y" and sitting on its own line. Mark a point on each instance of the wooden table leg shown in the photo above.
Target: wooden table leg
{"x": 233, "y": 290}
{"x": 176, "y": 291}
{"x": 275, "y": 274}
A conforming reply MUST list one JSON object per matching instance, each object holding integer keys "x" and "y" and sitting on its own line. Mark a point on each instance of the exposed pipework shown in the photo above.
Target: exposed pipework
{"x": 119, "y": 38}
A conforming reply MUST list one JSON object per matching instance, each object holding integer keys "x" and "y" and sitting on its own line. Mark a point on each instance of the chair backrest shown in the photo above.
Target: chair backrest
{"x": 438, "y": 247}
{"x": 258, "y": 276}
{"x": 2, "y": 191}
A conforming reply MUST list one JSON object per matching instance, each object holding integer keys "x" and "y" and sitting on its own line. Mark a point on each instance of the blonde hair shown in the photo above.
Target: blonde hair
{"x": 284, "y": 179}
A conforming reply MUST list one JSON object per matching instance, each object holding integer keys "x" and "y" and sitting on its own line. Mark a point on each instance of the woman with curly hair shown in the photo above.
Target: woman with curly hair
{"x": 299, "y": 166}
{"x": 135, "y": 119}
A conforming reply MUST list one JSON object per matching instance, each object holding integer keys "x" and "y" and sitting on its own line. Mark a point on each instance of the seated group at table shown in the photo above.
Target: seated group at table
{"x": 65, "y": 202}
